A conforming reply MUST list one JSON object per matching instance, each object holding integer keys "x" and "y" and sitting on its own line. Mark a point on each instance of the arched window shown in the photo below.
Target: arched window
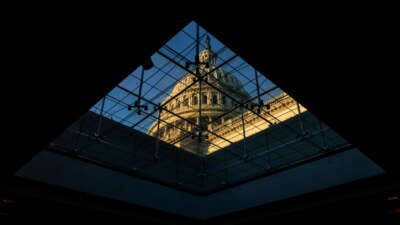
{"x": 214, "y": 98}
{"x": 204, "y": 99}
{"x": 223, "y": 100}
{"x": 185, "y": 101}
{"x": 194, "y": 99}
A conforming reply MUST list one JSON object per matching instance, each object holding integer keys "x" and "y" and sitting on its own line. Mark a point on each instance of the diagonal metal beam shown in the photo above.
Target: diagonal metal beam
{"x": 222, "y": 92}
{"x": 191, "y": 122}
{"x": 144, "y": 118}
{"x": 246, "y": 102}
{"x": 211, "y": 132}
{"x": 187, "y": 132}
{"x": 180, "y": 117}
{"x": 285, "y": 125}
{"x": 290, "y": 128}
{"x": 191, "y": 72}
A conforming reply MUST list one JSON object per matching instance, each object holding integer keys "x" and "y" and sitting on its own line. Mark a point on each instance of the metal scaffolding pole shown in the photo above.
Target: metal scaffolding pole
{"x": 137, "y": 103}
{"x": 244, "y": 133}
{"x": 235, "y": 100}
{"x": 151, "y": 75}
{"x": 275, "y": 150}
{"x": 285, "y": 125}
{"x": 246, "y": 102}
{"x": 83, "y": 120}
{"x": 187, "y": 70}
{"x": 199, "y": 78}
{"x": 260, "y": 102}
{"x": 225, "y": 167}
{"x": 267, "y": 149}
{"x": 177, "y": 170}
{"x": 189, "y": 120}
{"x": 97, "y": 133}
{"x": 324, "y": 143}
{"x": 300, "y": 119}
{"x": 175, "y": 114}
{"x": 156, "y": 156}
{"x": 203, "y": 173}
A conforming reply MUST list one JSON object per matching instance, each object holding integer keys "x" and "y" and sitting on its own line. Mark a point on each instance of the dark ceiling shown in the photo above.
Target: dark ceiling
{"x": 336, "y": 64}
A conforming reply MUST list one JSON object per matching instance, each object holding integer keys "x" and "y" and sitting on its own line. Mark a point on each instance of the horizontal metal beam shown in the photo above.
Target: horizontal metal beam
{"x": 238, "y": 106}
{"x": 191, "y": 72}
{"x": 271, "y": 150}
{"x": 177, "y": 115}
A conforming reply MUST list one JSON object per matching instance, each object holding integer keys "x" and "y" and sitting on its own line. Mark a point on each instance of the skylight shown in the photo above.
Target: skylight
{"x": 198, "y": 117}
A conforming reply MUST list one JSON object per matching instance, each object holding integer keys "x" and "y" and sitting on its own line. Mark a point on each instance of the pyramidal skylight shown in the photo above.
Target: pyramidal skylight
{"x": 198, "y": 117}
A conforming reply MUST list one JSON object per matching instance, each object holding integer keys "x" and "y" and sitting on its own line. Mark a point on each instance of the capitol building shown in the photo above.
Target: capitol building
{"x": 200, "y": 117}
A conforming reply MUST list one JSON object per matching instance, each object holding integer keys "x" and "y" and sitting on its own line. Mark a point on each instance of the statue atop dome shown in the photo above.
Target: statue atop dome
{"x": 207, "y": 56}
{"x": 208, "y": 46}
